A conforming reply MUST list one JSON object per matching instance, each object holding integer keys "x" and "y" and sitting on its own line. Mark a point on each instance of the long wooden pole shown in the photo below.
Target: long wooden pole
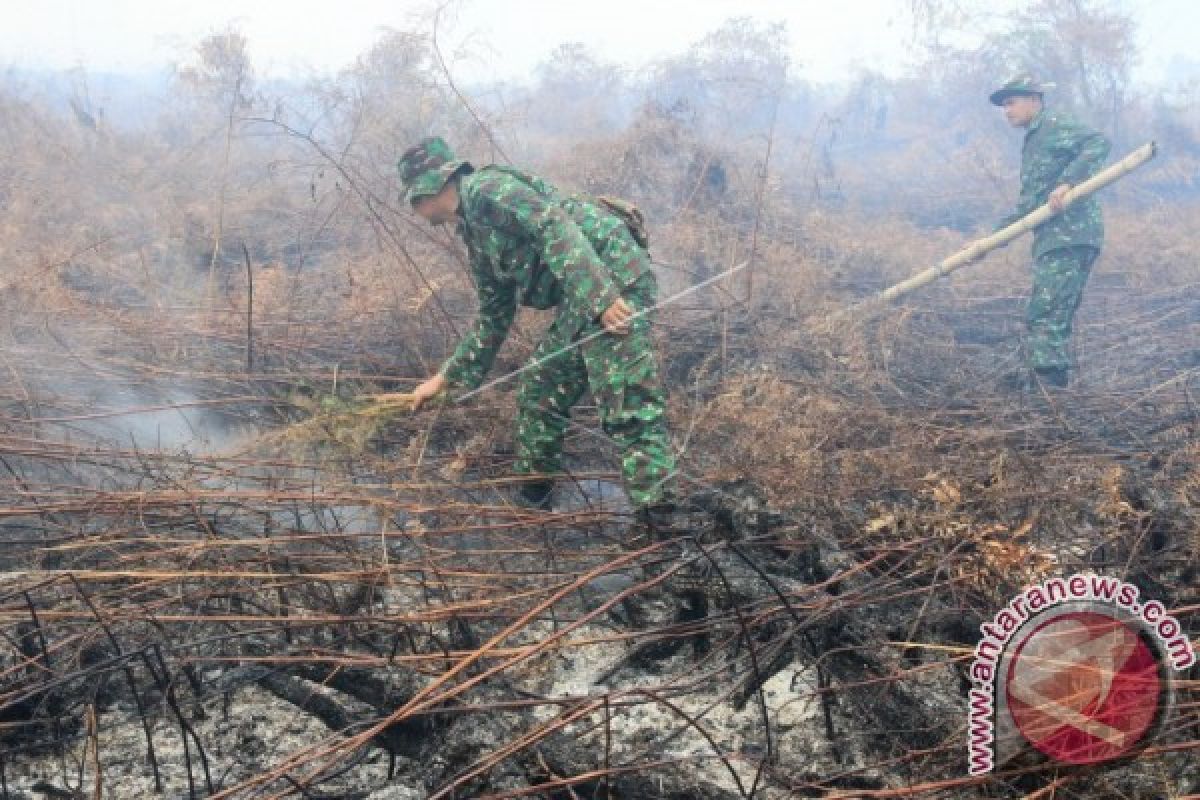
{"x": 982, "y": 247}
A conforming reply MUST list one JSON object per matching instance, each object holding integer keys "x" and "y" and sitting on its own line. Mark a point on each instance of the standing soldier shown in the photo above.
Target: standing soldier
{"x": 584, "y": 257}
{"x": 1059, "y": 152}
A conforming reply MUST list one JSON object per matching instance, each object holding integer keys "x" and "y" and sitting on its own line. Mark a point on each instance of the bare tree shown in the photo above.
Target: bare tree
{"x": 221, "y": 75}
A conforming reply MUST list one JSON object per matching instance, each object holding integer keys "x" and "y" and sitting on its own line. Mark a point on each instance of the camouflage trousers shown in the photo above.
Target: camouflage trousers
{"x": 1058, "y": 280}
{"x": 622, "y": 373}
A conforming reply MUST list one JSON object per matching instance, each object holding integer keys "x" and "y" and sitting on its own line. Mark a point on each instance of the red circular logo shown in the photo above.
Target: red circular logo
{"x": 1085, "y": 687}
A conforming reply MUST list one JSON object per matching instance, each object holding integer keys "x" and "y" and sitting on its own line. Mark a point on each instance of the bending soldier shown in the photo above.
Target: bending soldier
{"x": 532, "y": 245}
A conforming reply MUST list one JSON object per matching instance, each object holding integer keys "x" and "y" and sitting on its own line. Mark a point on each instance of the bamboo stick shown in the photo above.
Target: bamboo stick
{"x": 980, "y": 248}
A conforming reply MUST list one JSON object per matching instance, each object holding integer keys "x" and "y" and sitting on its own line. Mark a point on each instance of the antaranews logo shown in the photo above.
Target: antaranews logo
{"x": 1075, "y": 667}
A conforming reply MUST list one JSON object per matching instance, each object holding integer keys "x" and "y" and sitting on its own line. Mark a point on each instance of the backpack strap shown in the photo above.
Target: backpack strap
{"x": 630, "y": 214}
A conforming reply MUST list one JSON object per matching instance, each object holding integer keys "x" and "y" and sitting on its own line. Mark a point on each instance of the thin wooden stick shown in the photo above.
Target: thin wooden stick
{"x": 249, "y": 311}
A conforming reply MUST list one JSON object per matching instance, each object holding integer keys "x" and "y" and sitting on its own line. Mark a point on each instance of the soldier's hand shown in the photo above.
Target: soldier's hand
{"x": 428, "y": 390}
{"x": 1058, "y": 198}
{"x": 616, "y": 318}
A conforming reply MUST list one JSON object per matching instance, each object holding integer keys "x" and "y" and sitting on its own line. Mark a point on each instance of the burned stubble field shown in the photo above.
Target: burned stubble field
{"x": 217, "y": 581}
{"x": 195, "y": 604}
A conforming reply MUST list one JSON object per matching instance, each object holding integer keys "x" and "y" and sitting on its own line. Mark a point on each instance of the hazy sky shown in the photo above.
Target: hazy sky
{"x": 288, "y": 36}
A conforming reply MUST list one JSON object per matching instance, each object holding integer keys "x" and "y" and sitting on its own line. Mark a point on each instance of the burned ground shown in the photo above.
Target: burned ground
{"x": 195, "y": 601}
{"x": 245, "y": 621}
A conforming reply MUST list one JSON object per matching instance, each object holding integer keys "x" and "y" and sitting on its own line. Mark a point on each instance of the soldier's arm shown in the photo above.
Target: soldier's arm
{"x": 474, "y": 355}
{"x": 587, "y": 282}
{"x": 1090, "y": 148}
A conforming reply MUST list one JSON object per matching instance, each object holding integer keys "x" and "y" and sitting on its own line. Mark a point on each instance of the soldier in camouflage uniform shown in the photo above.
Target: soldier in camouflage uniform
{"x": 1059, "y": 152}
{"x": 530, "y": 244}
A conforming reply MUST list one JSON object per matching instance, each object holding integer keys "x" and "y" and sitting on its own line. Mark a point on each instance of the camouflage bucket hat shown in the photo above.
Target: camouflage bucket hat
{"x": 426, "y": 166}
{"x": 1023, "y": 84}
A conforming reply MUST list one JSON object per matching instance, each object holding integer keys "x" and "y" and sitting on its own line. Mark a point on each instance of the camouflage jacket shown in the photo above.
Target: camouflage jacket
{"x": 1059, "y": 149}
{"x": 527, "y": 243}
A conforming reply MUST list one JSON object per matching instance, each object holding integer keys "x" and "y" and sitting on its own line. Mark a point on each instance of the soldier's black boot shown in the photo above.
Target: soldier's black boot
{"x": 535, "y": 494}
{"x": 1052, "y": 376}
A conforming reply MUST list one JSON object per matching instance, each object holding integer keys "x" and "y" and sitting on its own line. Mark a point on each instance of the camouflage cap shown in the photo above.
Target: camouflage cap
{"x": 426, "y": 166}
{"x": 1023, "y": 84}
